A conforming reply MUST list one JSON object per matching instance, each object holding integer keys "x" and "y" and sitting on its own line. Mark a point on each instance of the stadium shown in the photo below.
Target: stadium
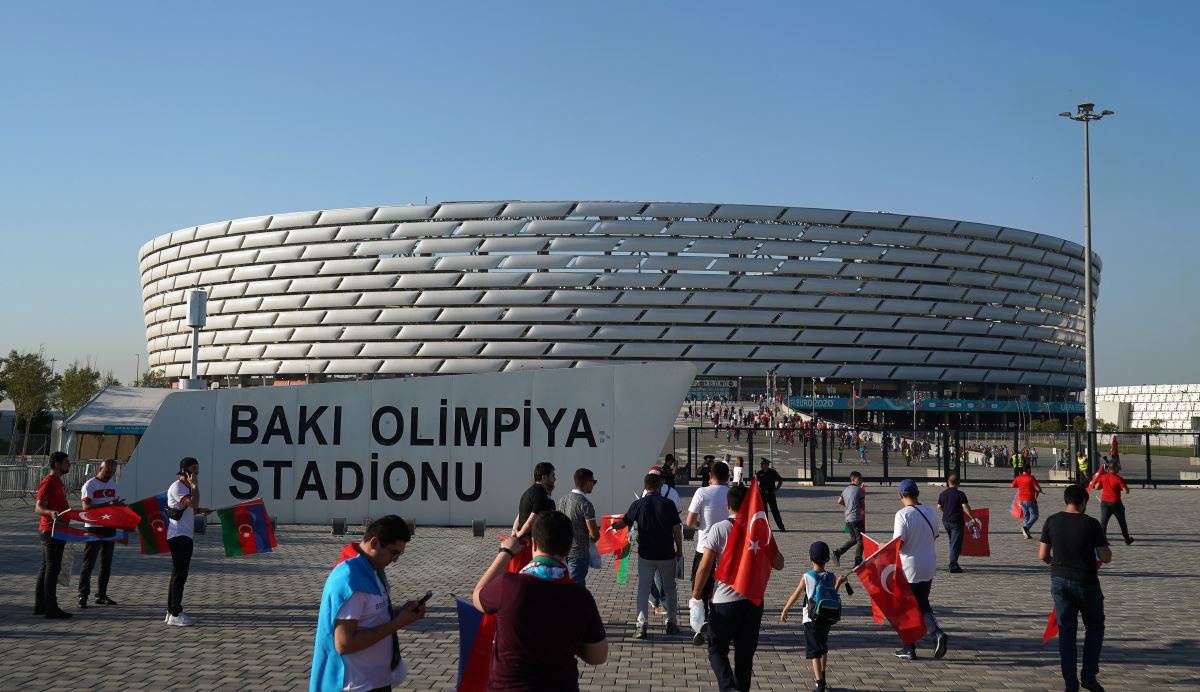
{"x": 860, "y": 308}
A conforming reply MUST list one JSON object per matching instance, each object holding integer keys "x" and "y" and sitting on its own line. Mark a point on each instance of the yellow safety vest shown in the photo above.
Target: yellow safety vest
{"x": 1018, "y": 461}
{"x": 1081, "y": 462}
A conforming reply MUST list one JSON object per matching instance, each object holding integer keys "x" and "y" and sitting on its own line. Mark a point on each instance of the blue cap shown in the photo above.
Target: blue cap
{"x": 819, "y": 552}
{"x": 908, "y": 485}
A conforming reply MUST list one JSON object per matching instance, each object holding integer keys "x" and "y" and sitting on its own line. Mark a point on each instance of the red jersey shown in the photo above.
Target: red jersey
{"x": 1111, "y": 485}
{"x": 53, "y": 493}
{"x": 1027, "y": 487}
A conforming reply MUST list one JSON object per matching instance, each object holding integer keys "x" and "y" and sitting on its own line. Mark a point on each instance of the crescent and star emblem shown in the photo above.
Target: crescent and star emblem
{"x": 245, "y": 530}
{"x": 754, "y": 546}
{"x": 883, "y": 578}
{"x": 157, "y": 525}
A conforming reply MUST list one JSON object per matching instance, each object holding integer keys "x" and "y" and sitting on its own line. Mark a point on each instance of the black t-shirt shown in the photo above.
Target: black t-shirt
{"x": 535, "y": 499}
{"x": 655, "y": 517}
{"x": 952, "y": 501}
{"x": 768, "y": 480}
{"x": 1073, "y": 538}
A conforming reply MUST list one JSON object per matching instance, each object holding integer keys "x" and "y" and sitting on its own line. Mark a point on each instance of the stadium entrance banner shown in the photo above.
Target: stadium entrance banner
{"x": 842, "y": 403}
{"x": 443, "y": 450}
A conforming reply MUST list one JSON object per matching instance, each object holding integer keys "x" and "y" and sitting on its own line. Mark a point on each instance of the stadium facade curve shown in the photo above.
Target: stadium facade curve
{"x": 738, "y": 290}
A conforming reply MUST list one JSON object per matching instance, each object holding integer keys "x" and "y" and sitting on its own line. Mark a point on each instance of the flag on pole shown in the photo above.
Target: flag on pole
{"x": 975, "y": 537}
{"x": 476, "y": 635}
{"x": 246, "y": 528}
{"x": 870, "y": 547}
{"x": 882, "y": 576}
{"x": 750, "y": 551}
{"x": 106, "y": 516}
{"x": 615, "y": 543}
{"x": 152, "y": 529}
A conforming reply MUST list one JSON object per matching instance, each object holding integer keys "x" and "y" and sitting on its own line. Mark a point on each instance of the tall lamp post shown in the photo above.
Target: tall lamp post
{"x": 1085, "y": 114}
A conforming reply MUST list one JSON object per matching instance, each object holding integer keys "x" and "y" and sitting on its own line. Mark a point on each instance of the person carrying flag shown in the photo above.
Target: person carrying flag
{"x": 735, "y": 618}
{"x": 956, "y": 512}
{"x": 1028, "y": 490}
{"x": 1111, "y": 486}
{"x": 356, "y": 646}
{"x": 51, "y": 499}
{"x": 543, "y": 619}
{"x": 660, "y": 544}
{"x": 916, "y": 527}
{"x": 1074, "y": 545}
{"x": 99, "y": 491}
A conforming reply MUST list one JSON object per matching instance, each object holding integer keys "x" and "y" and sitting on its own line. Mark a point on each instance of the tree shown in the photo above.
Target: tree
{"x": 110, "y": 380}
{"x": 154, "y": 378}
{"x": 77, "y": 385}
{"x": 29, "y": 382}
{"x": 1156, "y": 424}
{"x": 1079, "y": 424}
{"x": 1105, "y": 426}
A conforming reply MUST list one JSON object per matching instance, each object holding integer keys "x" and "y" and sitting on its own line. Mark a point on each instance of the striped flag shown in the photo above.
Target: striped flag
{"x": 616, "y": 543}
{"x": 70, "y": 534}
{"x": 246, "y": 528}
{"x": 152, "y": 530}
{"x": 476, "y": 634}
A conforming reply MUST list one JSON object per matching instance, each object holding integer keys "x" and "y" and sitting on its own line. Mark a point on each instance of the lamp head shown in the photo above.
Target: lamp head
{"x": 1065, "y": 114}
{"x": 1103, "y": 113}
{"x": 1085, "y": 108}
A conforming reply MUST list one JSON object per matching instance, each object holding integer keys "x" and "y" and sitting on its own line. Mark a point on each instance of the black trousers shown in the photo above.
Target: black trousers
{"x": 770, "y": 501}
{"x": 93, "y": 550}
{"x": 1108, "y": 510}
{"x": 737, "y": 623}
{"x": 856, "y": 532}
{"x": 181, "y": 560}
{"x": 46, "y": 596}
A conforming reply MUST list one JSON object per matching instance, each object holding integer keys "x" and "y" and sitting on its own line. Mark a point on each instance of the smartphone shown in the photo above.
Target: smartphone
{"x": 428, "y": 595}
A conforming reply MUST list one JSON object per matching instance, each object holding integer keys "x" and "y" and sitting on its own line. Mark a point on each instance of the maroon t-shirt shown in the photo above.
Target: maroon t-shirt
{"x": 540, "y": 626}
{"x": 54, "y": 494}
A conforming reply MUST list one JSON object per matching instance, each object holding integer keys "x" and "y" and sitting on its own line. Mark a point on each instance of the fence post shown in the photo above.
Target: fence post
{"x": 1149, "y": 477}
{"x": 750, "y": 450}
{"x": 886, "y": 440}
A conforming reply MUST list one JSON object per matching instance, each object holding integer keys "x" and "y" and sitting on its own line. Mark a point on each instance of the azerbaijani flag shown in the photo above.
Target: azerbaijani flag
{"x": 70, "y": 534}
{"x": 476, "y": 634}
{"x": 152, "y": 530}
{"x": 617, "y": 543}
{"x": 246, "y": 528}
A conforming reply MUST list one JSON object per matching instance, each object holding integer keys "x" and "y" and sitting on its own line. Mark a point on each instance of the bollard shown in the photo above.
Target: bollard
{"x": 478, "y": 527}
{"x": 338, "y": 525}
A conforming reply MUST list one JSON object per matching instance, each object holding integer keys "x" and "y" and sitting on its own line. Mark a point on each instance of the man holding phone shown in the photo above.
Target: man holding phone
{"x": 183, "y": 503}
{"x": 356, "y": 646}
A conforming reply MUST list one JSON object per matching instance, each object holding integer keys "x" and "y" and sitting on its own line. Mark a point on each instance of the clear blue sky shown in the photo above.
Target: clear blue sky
{"x": 123, "y": 121}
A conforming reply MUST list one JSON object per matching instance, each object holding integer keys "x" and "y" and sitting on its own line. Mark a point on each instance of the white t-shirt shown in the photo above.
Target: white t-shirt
{"x": 371, "y": 667}
{"x": 709, "y": 503}
{"x": 918, "y": 551}
{"x": 98, "y": 493}
{"x": 186, "y": 524}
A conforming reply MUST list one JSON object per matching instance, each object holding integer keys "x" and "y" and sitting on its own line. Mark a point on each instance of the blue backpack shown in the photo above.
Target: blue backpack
{"x": 825, "y": 605}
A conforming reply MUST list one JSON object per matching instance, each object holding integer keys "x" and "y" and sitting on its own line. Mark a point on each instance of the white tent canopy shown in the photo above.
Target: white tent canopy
{"x": 118, "y": 410}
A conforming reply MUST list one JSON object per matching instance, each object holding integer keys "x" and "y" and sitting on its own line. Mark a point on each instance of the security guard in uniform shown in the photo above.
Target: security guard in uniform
{"x": 1018, "y": 463}
{"x": 1081, "y": 462}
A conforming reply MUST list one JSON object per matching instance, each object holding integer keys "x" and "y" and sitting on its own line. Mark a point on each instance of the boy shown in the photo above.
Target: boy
{"x": 816, "y": 632}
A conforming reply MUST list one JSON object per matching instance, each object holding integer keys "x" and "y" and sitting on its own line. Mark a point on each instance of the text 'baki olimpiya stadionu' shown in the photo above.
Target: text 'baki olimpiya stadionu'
{"x": 878, "y": 303}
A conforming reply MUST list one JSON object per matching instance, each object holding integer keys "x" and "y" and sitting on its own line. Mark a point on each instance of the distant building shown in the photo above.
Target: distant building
{"x": 1169, "y": 406}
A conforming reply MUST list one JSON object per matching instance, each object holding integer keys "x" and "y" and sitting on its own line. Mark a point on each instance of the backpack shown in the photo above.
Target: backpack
{"x": 825, "y": 605}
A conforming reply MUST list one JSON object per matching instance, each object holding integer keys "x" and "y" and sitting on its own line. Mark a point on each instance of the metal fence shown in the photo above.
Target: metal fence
{"x": 19, "y": 481}
{"x": 888, "y": 456}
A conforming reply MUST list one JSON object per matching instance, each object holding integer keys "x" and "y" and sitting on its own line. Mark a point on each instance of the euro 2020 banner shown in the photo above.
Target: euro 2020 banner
{"x": 443, "y": 450}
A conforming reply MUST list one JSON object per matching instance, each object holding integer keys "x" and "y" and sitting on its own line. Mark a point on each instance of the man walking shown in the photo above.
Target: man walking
{"x": 1111, "y": 486}
{"x": 51, "y": 500}
{"x": 98, "y": 491}
{"x": 356, "y": 646}
{"x": 1028, "y": 490}
{"x": 660, "y": 543}
{"x": 769, "y": 481}
{"x": 854, "y": 502}
{"x": 733, "y": 619}
{"x": 1071, "y": 544}
{"x": 956, "y": 511}
{"x": 582, "y": 514}
{"x": 656, "y": 590}
{"x": 536, "y": 497}
{"x": 543, "y": 620}
{"x": 916, "y": 527}
{"x": 708, "y": 507}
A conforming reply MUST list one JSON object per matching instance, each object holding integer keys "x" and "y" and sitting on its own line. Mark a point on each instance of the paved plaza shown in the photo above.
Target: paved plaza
{"x": 255, "y": 615}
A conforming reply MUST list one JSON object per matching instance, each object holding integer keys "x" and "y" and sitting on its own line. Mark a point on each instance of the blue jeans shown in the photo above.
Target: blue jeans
{"x": 577, "y": 568}
{"x": 1029, "y": 510}
{"x": 1072, "y": 599}
{"x": 954, "y": 530}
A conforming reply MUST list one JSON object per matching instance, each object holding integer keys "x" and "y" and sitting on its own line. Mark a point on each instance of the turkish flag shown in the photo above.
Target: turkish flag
{"x": 1051, "y": 626}
{"x": 746, "y": 563}
{"x": 1016, "y": 510}
{"x": 883, "y": 577}
{"x": 612, "y": 542}
{"x": 870, "y": 547}
{"x": 523, "y": 557}
{"x": 111, "y": 517}
{"x": 975, "y": 539}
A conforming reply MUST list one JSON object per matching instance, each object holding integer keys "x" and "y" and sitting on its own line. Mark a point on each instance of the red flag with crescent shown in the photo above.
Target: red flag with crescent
{"x": 746, "y": 563}
{"x": 870, "y": 547}
{"x": 975, "y": 536}
{"x": 883, "y": 578}
{"x": 106, "y": 515}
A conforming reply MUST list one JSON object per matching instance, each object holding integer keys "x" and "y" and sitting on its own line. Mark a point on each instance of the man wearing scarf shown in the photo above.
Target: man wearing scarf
{"x": 543, "y": 619}
{"x": 356, "y": 646}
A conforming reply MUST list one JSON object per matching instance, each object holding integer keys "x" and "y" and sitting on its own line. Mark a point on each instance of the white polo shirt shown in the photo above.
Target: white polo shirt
{"x": 98, "y": 493}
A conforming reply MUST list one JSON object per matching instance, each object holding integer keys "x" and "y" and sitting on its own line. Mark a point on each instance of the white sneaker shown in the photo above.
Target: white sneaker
{"x": 168, "y": 617}
{"x": 180, "y": 620}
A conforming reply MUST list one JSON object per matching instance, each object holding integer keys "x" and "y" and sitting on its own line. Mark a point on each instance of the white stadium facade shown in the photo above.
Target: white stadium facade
{"x": 883, "y": 303}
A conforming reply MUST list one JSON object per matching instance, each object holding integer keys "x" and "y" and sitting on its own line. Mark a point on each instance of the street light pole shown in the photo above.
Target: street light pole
{"x": 1085, "y": 114}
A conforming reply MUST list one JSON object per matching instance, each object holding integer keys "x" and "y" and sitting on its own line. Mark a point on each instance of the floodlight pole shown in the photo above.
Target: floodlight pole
{"x": 1085, "y": 114}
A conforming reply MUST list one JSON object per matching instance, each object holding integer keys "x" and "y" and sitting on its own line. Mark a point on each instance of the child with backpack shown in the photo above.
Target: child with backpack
{"x": 822, "y": 608}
